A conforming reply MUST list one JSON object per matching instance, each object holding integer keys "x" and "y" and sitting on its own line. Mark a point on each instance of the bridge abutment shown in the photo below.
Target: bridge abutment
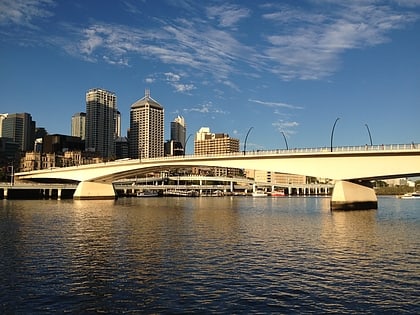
{"x": 93, "y": 190}
{"x": 351, "y": 196}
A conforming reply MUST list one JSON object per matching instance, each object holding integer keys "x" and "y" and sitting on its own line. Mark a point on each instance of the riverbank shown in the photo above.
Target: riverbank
{"x": 394, "y": 190}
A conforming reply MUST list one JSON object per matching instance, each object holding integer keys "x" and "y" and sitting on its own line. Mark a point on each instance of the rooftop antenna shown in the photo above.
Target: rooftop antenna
{"x": 147, "y": 93}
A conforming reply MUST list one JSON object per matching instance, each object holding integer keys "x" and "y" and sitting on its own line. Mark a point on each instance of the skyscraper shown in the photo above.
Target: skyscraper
{"x": 78, "y": 125}
{"x": 21, "y": 129}
{"x": 146, "y": 128}
{"x": 178, "y": 130}
{"x": 101, "y": 112}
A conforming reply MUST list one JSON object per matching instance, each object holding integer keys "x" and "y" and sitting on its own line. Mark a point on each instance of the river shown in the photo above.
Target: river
{"x": 208, "y": 255}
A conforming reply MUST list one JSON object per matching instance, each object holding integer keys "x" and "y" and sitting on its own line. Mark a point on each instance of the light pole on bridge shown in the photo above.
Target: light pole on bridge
{"x": 370, "y": 136}
{"x": 332, "y": 133}
{"x": 246, "y": 138}
{"x": 185, "y": 146}
{"x": 285, "y": 140}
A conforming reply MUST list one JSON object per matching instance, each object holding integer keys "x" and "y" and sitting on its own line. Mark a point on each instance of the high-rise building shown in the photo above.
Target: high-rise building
{"x": 178, "y": 130}
{"x": 78, "y": 125}
{"x": 146, "y": 128}
{"x": 101, "y": 111}
{"x": 21, "y": 129}
{"x": 214, "y": 143}
{"x": 176, "y": 145}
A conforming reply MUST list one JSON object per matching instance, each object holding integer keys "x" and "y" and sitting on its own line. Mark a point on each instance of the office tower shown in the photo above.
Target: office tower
{"x": 176, "y": 145}
{"x": 178, "y": 130}
{"x": 101, "y": 108}
{"x": 78, "y": 125}
{"x": 146, "y": 128}
{"x": 121, "y": 148}
{"x": 207, "y": 143}
{"x": 214, "y": 143}
{"x": 21, "y": 129}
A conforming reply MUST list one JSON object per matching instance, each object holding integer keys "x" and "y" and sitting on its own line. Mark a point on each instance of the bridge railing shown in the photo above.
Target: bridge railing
{"x": 343, "y": 149}
{"x": 326, "y": 150}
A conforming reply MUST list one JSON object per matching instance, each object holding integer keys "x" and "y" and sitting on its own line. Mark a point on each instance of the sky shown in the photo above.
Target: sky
{"x": 276, "y": 69}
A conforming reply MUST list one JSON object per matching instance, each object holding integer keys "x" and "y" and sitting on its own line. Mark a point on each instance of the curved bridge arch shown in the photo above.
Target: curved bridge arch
{"x": 343, "y": 164}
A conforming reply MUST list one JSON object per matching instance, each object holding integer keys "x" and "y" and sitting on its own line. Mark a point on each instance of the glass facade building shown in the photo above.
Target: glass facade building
{"x": 101, "y": 113}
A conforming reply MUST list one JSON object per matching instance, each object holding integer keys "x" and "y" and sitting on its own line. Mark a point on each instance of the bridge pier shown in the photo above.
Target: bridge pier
{"x": 351, "y": 196}
{"x": 93, "y": 190}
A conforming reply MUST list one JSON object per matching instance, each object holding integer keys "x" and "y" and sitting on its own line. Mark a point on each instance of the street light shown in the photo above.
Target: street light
{"x": 246, "y": 138}
{"x": 287, "y": 146}
{"x": 370, "y": 136}
{"x": 12, "y": 174}
{"x": 332, "y": 133}
{"x": 185, "y": 147}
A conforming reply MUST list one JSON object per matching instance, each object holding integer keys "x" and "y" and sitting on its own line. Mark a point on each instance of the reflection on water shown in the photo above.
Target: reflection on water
{"x": 229, "y": 255}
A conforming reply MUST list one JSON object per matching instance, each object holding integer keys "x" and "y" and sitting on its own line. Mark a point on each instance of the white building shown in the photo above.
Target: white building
{"x": 146, "y": 136}
{"x": 78, "y": 125}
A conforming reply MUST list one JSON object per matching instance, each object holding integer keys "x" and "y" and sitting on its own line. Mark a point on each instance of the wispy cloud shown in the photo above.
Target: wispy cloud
{"x": 287, "y": 127}
{"x": 206, "y": 108}
{"x": 310, "y": 43}
{"x": 299, "y": 42}
{"x": 179, "y": 43}
{"x": 174, "y": 80}
{"x": 275, "y": 104}
{"x": 284, "y": 125}
{"x": 227, "y": 14}
{"x": 23, "y": 12}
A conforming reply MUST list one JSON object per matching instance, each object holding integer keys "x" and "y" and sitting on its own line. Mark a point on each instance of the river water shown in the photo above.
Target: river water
{"x": 208, "y": 255}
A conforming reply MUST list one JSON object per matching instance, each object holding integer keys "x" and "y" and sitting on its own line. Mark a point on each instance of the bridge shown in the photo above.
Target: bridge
{"x": 350, "y": 167}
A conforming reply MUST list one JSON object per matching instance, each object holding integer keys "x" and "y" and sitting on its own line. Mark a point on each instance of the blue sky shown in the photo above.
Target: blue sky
{"x": 276, "y": 66}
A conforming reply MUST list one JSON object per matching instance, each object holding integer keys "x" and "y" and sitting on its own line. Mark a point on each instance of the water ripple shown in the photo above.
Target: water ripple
{"x": 214, "y": 255}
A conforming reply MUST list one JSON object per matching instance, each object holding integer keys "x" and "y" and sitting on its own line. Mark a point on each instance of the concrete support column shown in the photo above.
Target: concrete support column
{"x": 59, "y": 194}
{"x": 5, "y": 193}
{"x": 93, "y": 190}
{"x": 351, "y": 196}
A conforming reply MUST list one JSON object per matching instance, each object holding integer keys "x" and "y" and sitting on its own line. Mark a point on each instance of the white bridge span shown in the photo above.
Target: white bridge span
{"x": 341, "y": 164}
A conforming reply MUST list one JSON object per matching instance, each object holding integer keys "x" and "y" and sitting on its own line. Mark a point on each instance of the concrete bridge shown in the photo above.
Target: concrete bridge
{"x": 350, "y": 167}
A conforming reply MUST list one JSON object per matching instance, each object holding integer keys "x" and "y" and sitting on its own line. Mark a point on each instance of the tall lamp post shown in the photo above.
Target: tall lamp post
{"x": 332, "y": 133}
{"x": 370, "y": 136}
{"x": 246, "y": 138}
{"x": 12, "y": 173}
{"x": 285, "y": 140}
{"x": 188, "y": 138}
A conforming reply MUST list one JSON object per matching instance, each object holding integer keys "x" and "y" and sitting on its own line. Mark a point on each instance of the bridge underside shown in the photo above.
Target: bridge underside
{"x": 346, "y": 195}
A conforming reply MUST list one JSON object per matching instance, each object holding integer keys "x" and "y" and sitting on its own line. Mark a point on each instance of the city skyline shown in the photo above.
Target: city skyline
{"x": 281, "y": 68}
